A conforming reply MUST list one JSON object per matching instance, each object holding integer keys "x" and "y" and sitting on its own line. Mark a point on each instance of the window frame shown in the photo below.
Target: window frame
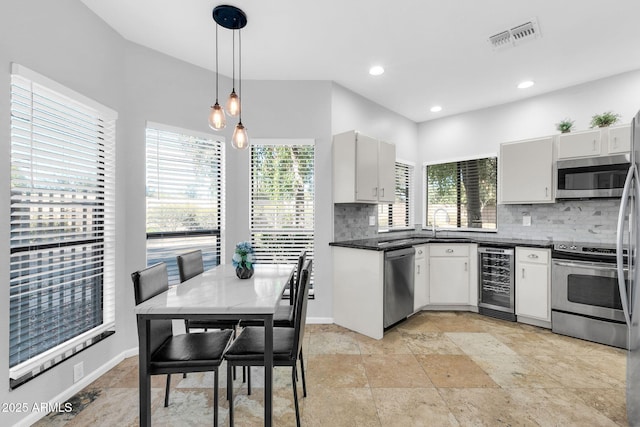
{"x": 92, "y": 179}
{"x": 409, "y": 208}
{"x": 425, "y": 203}
{"x": 210, "y": 259}
{"x": 286, "y": 142}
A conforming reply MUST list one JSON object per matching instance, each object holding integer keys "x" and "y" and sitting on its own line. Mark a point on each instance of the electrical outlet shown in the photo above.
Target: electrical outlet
{"x": 78, "y": 372}
{"x": 526, "y": 220}
{"x": 372, "y": 220}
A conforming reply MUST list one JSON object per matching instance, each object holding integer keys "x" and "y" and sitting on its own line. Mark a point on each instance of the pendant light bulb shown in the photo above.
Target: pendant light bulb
{"x": 217, "y": 119}
{"x": 233, "y": 104}
{"x": 240, "y": 139}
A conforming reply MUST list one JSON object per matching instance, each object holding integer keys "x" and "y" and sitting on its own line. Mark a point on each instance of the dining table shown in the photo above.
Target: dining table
{"x": 216, "y": 294}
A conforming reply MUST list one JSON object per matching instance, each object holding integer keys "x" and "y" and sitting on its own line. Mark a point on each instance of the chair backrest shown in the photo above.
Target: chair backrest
{"x": 300, "y": 317}
{"x": 148, "y": 283}
{"x": 293, "y": 287}
{"x": 190, "y": 264}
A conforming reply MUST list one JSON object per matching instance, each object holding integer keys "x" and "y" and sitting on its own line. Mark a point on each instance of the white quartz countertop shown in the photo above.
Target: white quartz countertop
{"x": 219, "y": 291}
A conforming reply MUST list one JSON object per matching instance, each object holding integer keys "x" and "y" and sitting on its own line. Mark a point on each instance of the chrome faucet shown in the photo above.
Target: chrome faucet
{"x": 434, "y": 219}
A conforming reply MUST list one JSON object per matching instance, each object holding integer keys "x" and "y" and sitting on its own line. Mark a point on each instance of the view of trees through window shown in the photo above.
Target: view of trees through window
{"x": 282, "y": 201}
{"x": 462, "y": 194}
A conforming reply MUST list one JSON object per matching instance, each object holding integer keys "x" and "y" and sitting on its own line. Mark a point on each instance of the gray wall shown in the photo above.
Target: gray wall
{"x": 66, "y": 42}
{"x": 481, "y": 132}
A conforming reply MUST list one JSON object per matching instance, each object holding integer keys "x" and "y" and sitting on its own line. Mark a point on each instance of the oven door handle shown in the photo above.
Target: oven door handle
{"x": 592, "y": 265}
{"x": 632, "y": 176}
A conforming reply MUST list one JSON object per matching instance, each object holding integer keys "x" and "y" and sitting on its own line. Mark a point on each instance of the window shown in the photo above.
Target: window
{"x": 185, "y": 200}
{"x": 399, "y": 215}
{"x": 62, "y": 223}
{"x": 282, "y": 200}
{"x": 462, "y": 194}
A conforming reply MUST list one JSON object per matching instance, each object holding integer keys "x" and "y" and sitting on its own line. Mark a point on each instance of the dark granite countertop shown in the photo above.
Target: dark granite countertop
{"x": 391, "y": 243}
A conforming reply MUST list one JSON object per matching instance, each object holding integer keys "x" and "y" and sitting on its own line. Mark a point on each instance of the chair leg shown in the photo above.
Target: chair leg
{"x": 230, "y": 393}
{"x": 215, "y": 398}
{"x": 295, "y": 393}
{"x": 166, "y": 392}
{"x": 304, "y": 383}
{"x": 248, "y": 380}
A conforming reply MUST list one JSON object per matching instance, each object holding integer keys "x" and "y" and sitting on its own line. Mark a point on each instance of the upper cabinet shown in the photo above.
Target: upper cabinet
{"x": 363, "y": 169}
{"x": 595, "y": 142}
{"x": 526, "y": 171}
{"x": 619, "y": 139}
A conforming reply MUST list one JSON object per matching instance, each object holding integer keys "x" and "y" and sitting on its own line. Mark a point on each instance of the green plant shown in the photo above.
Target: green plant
{"x": 565, "y": 125}
{"x": 605, "y": 119}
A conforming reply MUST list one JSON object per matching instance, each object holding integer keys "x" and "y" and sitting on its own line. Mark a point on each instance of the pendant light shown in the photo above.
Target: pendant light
{"x": 232, "y": 18}
{"x": 233, "y": 103}
{"x": 240, "y": 139}
{"x": 217, "y": 119}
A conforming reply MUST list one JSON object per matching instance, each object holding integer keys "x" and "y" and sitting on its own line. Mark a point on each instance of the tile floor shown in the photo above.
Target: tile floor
{"x": 435, "y": 369}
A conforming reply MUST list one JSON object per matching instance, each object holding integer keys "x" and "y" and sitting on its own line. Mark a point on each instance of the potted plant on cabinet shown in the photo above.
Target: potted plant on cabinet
{"x": 565, "y": 125}
{"x": 605, "y": 119}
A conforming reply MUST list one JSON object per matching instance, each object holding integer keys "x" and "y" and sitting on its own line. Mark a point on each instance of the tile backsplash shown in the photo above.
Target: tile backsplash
{"x": 593, "y": 221}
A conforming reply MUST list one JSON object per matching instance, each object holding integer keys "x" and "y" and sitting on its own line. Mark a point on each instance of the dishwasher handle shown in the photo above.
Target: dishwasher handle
{"x": 399, "y": 253}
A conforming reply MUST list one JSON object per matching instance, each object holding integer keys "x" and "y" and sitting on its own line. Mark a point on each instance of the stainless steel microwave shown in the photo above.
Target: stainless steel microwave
{"x": 591, "y": 177}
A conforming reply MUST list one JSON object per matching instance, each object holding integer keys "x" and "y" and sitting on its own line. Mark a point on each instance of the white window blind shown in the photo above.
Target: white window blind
{"x": 62, "y": 239}
{"x": 185, "y": 200}
{"x": 462, "y": 194}
{"x": 282, "y": 200}
{"x": 399, "y": 215}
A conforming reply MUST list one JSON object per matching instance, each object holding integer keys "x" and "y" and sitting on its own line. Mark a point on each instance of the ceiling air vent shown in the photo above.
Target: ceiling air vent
{"x": 516, "y": 35}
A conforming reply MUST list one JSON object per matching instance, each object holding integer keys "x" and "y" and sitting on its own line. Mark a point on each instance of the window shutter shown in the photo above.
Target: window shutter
{"x": 185, "y": 184}
{"x": 399, "y": 215}
{"x": 282, "y": 201}
{"x": 62, "y": 239}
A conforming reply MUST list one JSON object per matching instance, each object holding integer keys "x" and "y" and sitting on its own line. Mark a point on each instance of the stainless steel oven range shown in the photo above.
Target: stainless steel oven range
{"x": 585, "y": 298}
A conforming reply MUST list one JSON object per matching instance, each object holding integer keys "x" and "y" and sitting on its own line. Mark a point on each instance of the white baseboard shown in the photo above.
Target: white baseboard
{"x": 75, "y": 388}
{"x": 319, "y": 320}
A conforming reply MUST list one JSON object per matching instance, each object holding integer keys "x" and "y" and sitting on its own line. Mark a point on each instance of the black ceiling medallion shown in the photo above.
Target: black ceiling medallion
{"x": 229, "y": 17}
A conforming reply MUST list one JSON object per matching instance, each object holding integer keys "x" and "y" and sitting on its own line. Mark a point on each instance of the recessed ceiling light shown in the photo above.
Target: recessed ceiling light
{"x": 525, "y": 84}
{"x": 376, "y": 70}
{"x": 436, "y": 108}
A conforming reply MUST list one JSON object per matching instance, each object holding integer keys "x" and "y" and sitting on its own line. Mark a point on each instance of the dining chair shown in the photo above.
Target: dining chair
{"x": 173, "y": 354}
{"x": 190, "y": 264}
{"x": 248, "y": 348}
{"x": 283, "y": 316}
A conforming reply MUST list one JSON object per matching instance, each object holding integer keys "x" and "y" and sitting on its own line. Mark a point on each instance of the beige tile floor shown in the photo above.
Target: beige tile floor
{"x": 435, "y": 369}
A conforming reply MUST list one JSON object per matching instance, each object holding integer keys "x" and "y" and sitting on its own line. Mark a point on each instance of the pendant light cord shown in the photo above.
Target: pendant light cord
{"x": 239, "y": 76}
{"x": 233, "y": 61}
{"x": 217, "y": 63}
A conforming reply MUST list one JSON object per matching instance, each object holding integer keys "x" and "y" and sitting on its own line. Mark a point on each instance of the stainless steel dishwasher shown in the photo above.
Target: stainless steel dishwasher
{"x": 398, "y": 285}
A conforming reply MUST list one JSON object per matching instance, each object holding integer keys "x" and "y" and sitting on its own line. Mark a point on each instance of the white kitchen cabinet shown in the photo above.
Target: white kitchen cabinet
{"x": 595, "y": 142}
{"x": 579, "y": 144}
{"x": 451, "y": 269}
{"x": 532, "y": 285}
{"x": 421, "y": 277}
{"x": 619, "y": 139}
{"x": 358, "y": 283}
{"x": 526, "y": 171}
{"x": 363, "y": 169}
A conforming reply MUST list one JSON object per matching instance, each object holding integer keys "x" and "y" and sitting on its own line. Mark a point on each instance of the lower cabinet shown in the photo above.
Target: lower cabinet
{"x": 421, "y": 278}
{"x": 358, "y": 277}
{"x": 453, "y": 274}
{"x": 533, "y": 278}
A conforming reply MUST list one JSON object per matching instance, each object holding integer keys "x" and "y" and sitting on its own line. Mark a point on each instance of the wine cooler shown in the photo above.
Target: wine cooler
{"x": 496, "y": 282}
